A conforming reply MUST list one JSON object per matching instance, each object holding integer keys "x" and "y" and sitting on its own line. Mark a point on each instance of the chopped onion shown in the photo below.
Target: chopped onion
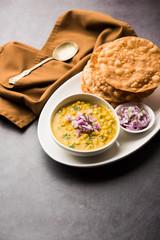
{"x": 134, "y": 117}
{"x": 89, "y": 111}
{"x": 84, "y": 123}
{"x": 70, "y": 118}
{"x": 77, "y": 133}
{"x": 95, "y": 105}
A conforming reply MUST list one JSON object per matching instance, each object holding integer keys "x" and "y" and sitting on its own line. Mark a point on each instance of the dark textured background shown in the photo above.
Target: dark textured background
{"x": 43, "y": 200}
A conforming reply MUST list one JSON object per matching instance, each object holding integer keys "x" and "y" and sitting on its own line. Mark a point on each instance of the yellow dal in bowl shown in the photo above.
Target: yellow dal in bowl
{"x": 66, "y": 133}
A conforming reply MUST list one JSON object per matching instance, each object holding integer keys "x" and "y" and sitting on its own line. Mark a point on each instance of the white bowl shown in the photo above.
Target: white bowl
{"x": 149, "y": 110}
{"x": 90, "y": 98}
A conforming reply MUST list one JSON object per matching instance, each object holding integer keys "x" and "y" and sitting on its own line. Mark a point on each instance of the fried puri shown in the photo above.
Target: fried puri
{"x": 127, "y": 69}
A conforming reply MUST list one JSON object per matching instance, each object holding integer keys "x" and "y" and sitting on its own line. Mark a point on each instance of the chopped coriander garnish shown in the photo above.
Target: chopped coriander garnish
{"x": 60, "y": 110}
{"x": 101, "y": 116}
{"x": 72, "y": 145}
{"x": 129, "y": 112}
{"x": 101, "y": 136}
{"x": 134, "y": 118}
{"x": 66, "y": 136}
{"x": 114, "y": 122}
{"x": 76, "y": 108}
{"x": 85, "y": 116}
{"x": 90, "y": 104}
{"x": 143, "y": 112}
{"x": 110, "y": 129}
{"x": 89, "y": 139}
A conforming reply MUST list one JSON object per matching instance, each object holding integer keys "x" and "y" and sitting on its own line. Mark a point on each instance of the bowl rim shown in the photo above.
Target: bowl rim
{"x": 93, "y": 96}
{"x": 148, "y": 108}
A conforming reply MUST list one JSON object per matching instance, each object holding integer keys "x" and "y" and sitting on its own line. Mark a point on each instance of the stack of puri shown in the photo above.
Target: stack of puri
{"x": 125, "y": 70}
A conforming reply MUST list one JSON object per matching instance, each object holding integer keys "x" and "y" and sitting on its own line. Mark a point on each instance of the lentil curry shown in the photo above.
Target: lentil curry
{"x": 84, "y": 126}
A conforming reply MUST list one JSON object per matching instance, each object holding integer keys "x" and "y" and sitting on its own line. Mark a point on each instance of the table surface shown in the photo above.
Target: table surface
{"x": 44, "y": 200}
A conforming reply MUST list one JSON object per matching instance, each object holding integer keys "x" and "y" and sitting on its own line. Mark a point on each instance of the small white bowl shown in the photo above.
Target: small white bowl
{"x": 90, "y": 98}
{"x": 147, "y": 108}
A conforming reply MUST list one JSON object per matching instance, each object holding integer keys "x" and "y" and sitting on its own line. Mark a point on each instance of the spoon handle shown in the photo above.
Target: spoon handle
{"x": 14, "y": 79}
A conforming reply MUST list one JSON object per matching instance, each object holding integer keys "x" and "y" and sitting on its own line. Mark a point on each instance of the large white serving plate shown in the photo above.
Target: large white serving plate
{"x": 126, "y": 143}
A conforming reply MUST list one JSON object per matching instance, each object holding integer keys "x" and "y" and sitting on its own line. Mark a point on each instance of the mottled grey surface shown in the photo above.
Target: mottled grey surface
{"x": 43, "y": 200}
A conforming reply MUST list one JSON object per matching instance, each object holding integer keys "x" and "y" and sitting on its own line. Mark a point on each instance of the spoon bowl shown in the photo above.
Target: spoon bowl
{"x": 65, "y": 51}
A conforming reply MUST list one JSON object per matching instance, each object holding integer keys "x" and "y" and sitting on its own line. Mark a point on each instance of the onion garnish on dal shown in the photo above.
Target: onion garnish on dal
{"x": 84, "y": 123}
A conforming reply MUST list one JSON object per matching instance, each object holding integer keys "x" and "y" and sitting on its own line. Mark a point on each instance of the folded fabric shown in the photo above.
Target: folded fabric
{"x": 22, "y": 103}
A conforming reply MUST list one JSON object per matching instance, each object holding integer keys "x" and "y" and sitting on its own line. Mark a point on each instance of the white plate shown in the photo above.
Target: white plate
{"x": 126, "y": 143}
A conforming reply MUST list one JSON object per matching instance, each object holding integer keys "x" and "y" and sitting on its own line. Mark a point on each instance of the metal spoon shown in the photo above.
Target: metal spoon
{"x": 63, "y": 52}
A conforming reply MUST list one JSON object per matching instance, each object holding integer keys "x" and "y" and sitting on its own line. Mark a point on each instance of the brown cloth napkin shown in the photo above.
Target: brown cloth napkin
{"x": 22, "y": 103}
